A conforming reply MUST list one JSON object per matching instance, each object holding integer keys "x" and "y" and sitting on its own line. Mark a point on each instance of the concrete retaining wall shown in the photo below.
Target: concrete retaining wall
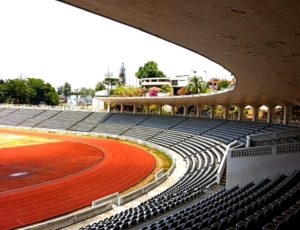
{"x": 254, "y": 163}
{"x": 113, "y": 198}
{"x": 72, "y": 218}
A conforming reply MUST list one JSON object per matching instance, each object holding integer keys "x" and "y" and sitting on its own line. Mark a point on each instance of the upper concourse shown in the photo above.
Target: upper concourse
{"x": 258, "y": 41}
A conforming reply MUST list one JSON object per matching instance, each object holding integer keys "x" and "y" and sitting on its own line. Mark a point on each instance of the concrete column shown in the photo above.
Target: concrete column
{"x": 270, "y": 114}
{"x": 134, "y": 109}
{"x": 226, "y": 110}
{"x": 159, "y": 109}
{"x": 240, "y": 113}
{"x": 286, "y": 114}
{"x": 172, "y": 110}
{"x": 198, "y": 114}
{"x": 255, "y": 113}
{"x": 185, "y": 108}
{"x": 108, "y": 107}
{"x": 122, "y": 108}
{"x": 212, "y": 112}
{"x": 147, "y": 109}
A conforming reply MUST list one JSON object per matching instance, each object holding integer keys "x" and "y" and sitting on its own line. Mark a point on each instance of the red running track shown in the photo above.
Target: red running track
{"x": 110, "y": 166}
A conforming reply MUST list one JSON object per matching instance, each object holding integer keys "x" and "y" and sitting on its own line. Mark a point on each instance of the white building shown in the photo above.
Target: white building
{"x": 176, "y": 82}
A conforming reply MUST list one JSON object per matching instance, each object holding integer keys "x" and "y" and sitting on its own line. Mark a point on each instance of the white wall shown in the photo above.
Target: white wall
{"x": 256, "y": 164}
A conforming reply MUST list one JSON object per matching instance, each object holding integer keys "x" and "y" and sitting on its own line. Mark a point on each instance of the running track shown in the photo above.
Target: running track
{"x": 86, "y": 169}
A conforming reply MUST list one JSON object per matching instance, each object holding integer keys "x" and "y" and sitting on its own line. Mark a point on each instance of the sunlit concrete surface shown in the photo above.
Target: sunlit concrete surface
{"x": 258, "y": 41}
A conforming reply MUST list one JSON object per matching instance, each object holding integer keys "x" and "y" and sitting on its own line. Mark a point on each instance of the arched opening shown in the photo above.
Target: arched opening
{"x": 179, "y": 110}
{"x": 115, "y": 108}
{"x": 219, "y": 112}
{"x": 278, "y": 114}
{"x": 248, "y": 113}
{"x": 233, "y": 112}
{"x": 153, "y": 109}
{"x": 295, "y": 116}
{"x": 192, "y": 111}
{"x": 128, "y": 108}
{"x": 141, "y": 109}
{"x": 205, "y": 111}
{"x": 166, "y": 110}
{"x": 262, "y": 114}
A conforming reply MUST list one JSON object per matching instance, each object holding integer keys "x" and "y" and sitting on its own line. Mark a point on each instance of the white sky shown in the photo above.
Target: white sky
{"x": 56, "y": 42}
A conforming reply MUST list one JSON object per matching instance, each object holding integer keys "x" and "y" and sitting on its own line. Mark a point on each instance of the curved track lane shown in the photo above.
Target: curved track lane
{"x": 122, "y": 166}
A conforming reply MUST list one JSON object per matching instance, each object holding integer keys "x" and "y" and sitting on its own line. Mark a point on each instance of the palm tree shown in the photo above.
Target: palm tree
{"x": 100, "y": 86}
{"x": 197, "y": 85}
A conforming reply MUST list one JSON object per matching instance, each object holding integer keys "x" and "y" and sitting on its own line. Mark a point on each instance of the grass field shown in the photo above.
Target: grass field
{"x": 13, "y": 140}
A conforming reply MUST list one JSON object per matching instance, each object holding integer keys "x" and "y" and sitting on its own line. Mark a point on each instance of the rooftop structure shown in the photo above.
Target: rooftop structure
{"x": 257, "y": 41}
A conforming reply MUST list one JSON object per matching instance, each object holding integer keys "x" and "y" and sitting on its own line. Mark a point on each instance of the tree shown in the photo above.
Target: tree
{"x": 2, "y": 91}
{"x": 28, "y": 91}
{"x": 60, "y": 90}
{"x": 111, "y": 81}
{"x": 100, "y": 86}
{"x": 223, "y": 84}
{"x": 42, "y": 92}
{"x": 86, "y": 92}
{"x": 149, "y": 70}
{"x": 67, "y": 89}
{"x": 196, "y": 85}
{"x": 122, "y": 75}
{"x": 17, "y": 92}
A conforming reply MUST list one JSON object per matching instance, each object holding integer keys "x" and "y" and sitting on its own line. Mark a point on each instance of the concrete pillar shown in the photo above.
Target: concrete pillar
{"x": 198, "y": 112}
{"x": 226, "y": 110}
{"x": 147, "y": 109}
{"x": 122, "y": 108}
{"x": 255, "y": 113}
{"x": 212, "y": 112}
{"x": 240, "y": 113}
{"x": 270, "y": 114}
{"x": 134, "y": 109}
{"x": 185, "y": 108}
{"x": 287, "y": 111}
{"x": 108, "y": 107}
{"x": 159, "y": 109}
{"x": 172, "y": 110}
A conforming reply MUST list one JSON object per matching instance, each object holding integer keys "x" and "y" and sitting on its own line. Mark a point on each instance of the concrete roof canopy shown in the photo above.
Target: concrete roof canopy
{"x": 258, "y": 41}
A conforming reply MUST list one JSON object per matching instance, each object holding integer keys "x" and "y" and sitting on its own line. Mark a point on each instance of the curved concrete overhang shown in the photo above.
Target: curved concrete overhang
{"x": 258, "y": 41}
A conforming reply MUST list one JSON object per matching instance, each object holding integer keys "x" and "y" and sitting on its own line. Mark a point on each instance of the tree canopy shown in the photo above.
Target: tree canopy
{"x": 83, "y": 91}
{"x": 28, "y": 91}
{"x": 149, "y": 70}
{"x": 196, "y": 85}
{"x": 67, "y": 89}
{"x": 122, "y": 75}
{"x": 223, "y": 84}
{"x": 100, "y": 86}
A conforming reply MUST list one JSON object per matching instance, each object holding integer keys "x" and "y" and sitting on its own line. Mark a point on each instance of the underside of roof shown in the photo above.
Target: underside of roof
{"x": 258, "y": 41}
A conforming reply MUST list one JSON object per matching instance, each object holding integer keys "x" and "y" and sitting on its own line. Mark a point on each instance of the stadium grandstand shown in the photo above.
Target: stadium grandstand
{"x": 240, "y": 173}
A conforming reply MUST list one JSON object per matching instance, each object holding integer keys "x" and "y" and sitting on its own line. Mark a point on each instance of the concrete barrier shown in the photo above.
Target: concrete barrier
{"x": 113, "y": 198}
{"x": 255, "y": 163}
{"x": 73, "y": 218}
{"x": 272, "y": 136}
{"x": 222, "y": 165}
{"x": 143, "y": 190}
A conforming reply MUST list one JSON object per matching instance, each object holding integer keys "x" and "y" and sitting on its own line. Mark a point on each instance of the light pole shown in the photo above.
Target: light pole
{"x": 205, "y": 75}
{"x": 108, "y": 75}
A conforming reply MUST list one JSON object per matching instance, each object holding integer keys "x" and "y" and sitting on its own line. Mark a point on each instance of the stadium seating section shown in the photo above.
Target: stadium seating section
{"x": 270, "y": 204}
